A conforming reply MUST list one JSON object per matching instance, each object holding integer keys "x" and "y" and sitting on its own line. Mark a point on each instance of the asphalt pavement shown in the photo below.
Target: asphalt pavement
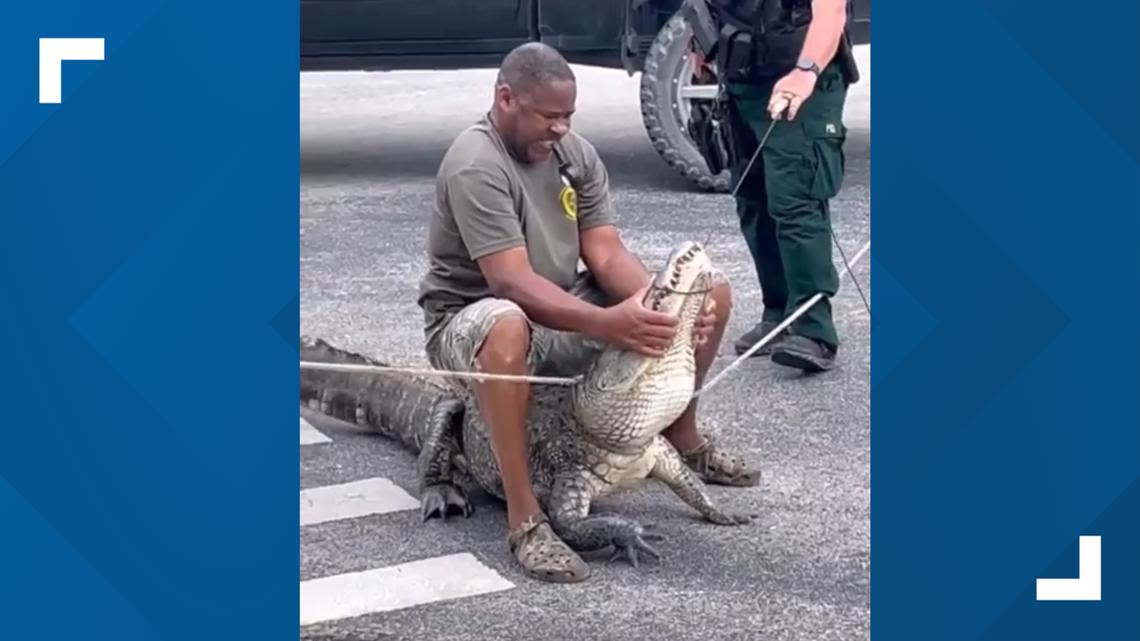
{"x": 370, "y": 147}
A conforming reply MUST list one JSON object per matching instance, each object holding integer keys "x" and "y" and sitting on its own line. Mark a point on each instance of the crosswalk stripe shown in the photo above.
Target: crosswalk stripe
{"x": 350, "y": 500}
{"x": 310, "y": 435}
{"x": 397, "y": 586}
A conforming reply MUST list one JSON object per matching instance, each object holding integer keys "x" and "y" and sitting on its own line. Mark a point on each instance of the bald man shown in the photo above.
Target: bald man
{"x": 503, "y": 292}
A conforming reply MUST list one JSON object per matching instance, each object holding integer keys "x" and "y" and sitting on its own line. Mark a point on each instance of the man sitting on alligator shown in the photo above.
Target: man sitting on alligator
{"x": 520, "y": 202}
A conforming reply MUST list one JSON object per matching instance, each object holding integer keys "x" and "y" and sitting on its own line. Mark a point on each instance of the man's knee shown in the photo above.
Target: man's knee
{"x": 722, "y": 294}
{"x": 507, "y": 343}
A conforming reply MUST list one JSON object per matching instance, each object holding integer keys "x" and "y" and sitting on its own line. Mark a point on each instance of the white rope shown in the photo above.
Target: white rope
{"x": 800, "y": 311}
{"x": 381, "y": 369}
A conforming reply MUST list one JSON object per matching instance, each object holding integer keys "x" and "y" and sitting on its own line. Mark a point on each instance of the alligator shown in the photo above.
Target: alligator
{"x": 586, "y": 440}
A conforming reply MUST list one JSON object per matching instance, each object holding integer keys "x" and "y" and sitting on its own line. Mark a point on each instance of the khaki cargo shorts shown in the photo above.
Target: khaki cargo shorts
{"x": 552, "y": 352}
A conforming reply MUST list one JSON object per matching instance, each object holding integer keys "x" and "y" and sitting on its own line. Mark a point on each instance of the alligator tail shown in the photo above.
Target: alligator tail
{"x": 413, "y": 410}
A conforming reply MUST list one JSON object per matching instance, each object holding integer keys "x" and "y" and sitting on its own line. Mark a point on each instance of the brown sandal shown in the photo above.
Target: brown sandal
{"x": 543, "y": 555}
{"x": 717, "y": 466}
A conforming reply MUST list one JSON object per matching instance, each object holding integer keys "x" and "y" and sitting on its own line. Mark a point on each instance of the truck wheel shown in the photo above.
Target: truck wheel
{"x": 669, "y": 84}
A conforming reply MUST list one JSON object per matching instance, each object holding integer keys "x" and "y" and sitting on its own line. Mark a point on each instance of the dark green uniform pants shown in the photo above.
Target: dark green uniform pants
{"x": 783, "y": 201}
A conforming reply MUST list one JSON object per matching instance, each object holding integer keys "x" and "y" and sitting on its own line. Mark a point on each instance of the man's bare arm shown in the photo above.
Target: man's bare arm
{"x": 820, "y": 45}
{"x": 627, "y": 325}
{"x": 510, "y": 276}
{"x": 825, "y": 31}
{"x": 619, "y": 273}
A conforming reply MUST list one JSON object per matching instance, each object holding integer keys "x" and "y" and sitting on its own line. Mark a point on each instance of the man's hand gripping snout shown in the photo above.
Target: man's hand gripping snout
{"x": 632, "y": 326}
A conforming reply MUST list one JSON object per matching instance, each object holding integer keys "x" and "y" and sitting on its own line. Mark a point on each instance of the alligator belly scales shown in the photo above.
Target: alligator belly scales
{"x": 586, "y": 440}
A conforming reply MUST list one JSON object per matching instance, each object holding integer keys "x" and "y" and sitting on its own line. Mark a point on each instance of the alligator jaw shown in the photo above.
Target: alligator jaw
{"x": 679, "y": 279}
{"x": 626, "y": 399}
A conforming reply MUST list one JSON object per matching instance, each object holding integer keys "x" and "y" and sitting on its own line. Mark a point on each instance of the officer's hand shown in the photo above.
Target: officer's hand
{"x": 630, "y": 325}
{"x": 790, "y": 92}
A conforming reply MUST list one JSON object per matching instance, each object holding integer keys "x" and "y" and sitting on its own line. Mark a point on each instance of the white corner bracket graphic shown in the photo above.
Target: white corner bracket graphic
{"x": 1086, "y": 587}
{"x": 53, "y": 51}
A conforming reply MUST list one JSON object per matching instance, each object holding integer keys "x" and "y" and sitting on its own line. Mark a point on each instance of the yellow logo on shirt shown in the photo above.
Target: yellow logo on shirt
{"x": 569, "y": 199}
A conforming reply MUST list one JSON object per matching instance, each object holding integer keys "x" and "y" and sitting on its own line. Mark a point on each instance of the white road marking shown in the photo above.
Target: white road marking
{"x": 310, "y": 435}
{"x": 394, "y": 587}
{"x": 350, "y": 500}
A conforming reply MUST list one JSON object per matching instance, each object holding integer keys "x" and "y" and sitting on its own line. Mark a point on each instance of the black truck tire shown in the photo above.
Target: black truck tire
{"x": 665, "y": 73}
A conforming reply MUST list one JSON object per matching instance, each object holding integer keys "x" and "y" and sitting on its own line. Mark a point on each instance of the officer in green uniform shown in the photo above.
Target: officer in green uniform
{"x": 789, "y": 61}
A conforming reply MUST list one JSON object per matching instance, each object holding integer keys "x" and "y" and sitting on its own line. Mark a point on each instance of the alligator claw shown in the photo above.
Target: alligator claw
{"x": 630, "y": 550}
{"x": 648, "y": 534}
{"x": 439, "y": 500}
{"x": 629, "y": 544}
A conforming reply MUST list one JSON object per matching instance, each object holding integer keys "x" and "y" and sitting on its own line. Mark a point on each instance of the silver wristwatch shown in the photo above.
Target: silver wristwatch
{"x": 807, "y": 64}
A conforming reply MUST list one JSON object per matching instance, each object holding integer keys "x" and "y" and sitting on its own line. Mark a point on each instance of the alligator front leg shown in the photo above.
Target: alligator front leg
{"x": 569, "y": 508}
{"x": 672, "y": 471}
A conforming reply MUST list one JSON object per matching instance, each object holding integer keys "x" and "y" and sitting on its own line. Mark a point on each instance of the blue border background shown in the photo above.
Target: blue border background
{"x": 150, "y": 256}
{"x": 1007, "y": 260}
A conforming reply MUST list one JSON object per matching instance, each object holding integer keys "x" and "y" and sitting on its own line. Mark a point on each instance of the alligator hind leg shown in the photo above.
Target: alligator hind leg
{"x": 439, "y": 493}
{"x": 569, "y": 506}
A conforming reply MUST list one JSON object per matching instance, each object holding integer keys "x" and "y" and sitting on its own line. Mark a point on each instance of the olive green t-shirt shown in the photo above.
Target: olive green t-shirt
{"x": 486, "y": 201}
